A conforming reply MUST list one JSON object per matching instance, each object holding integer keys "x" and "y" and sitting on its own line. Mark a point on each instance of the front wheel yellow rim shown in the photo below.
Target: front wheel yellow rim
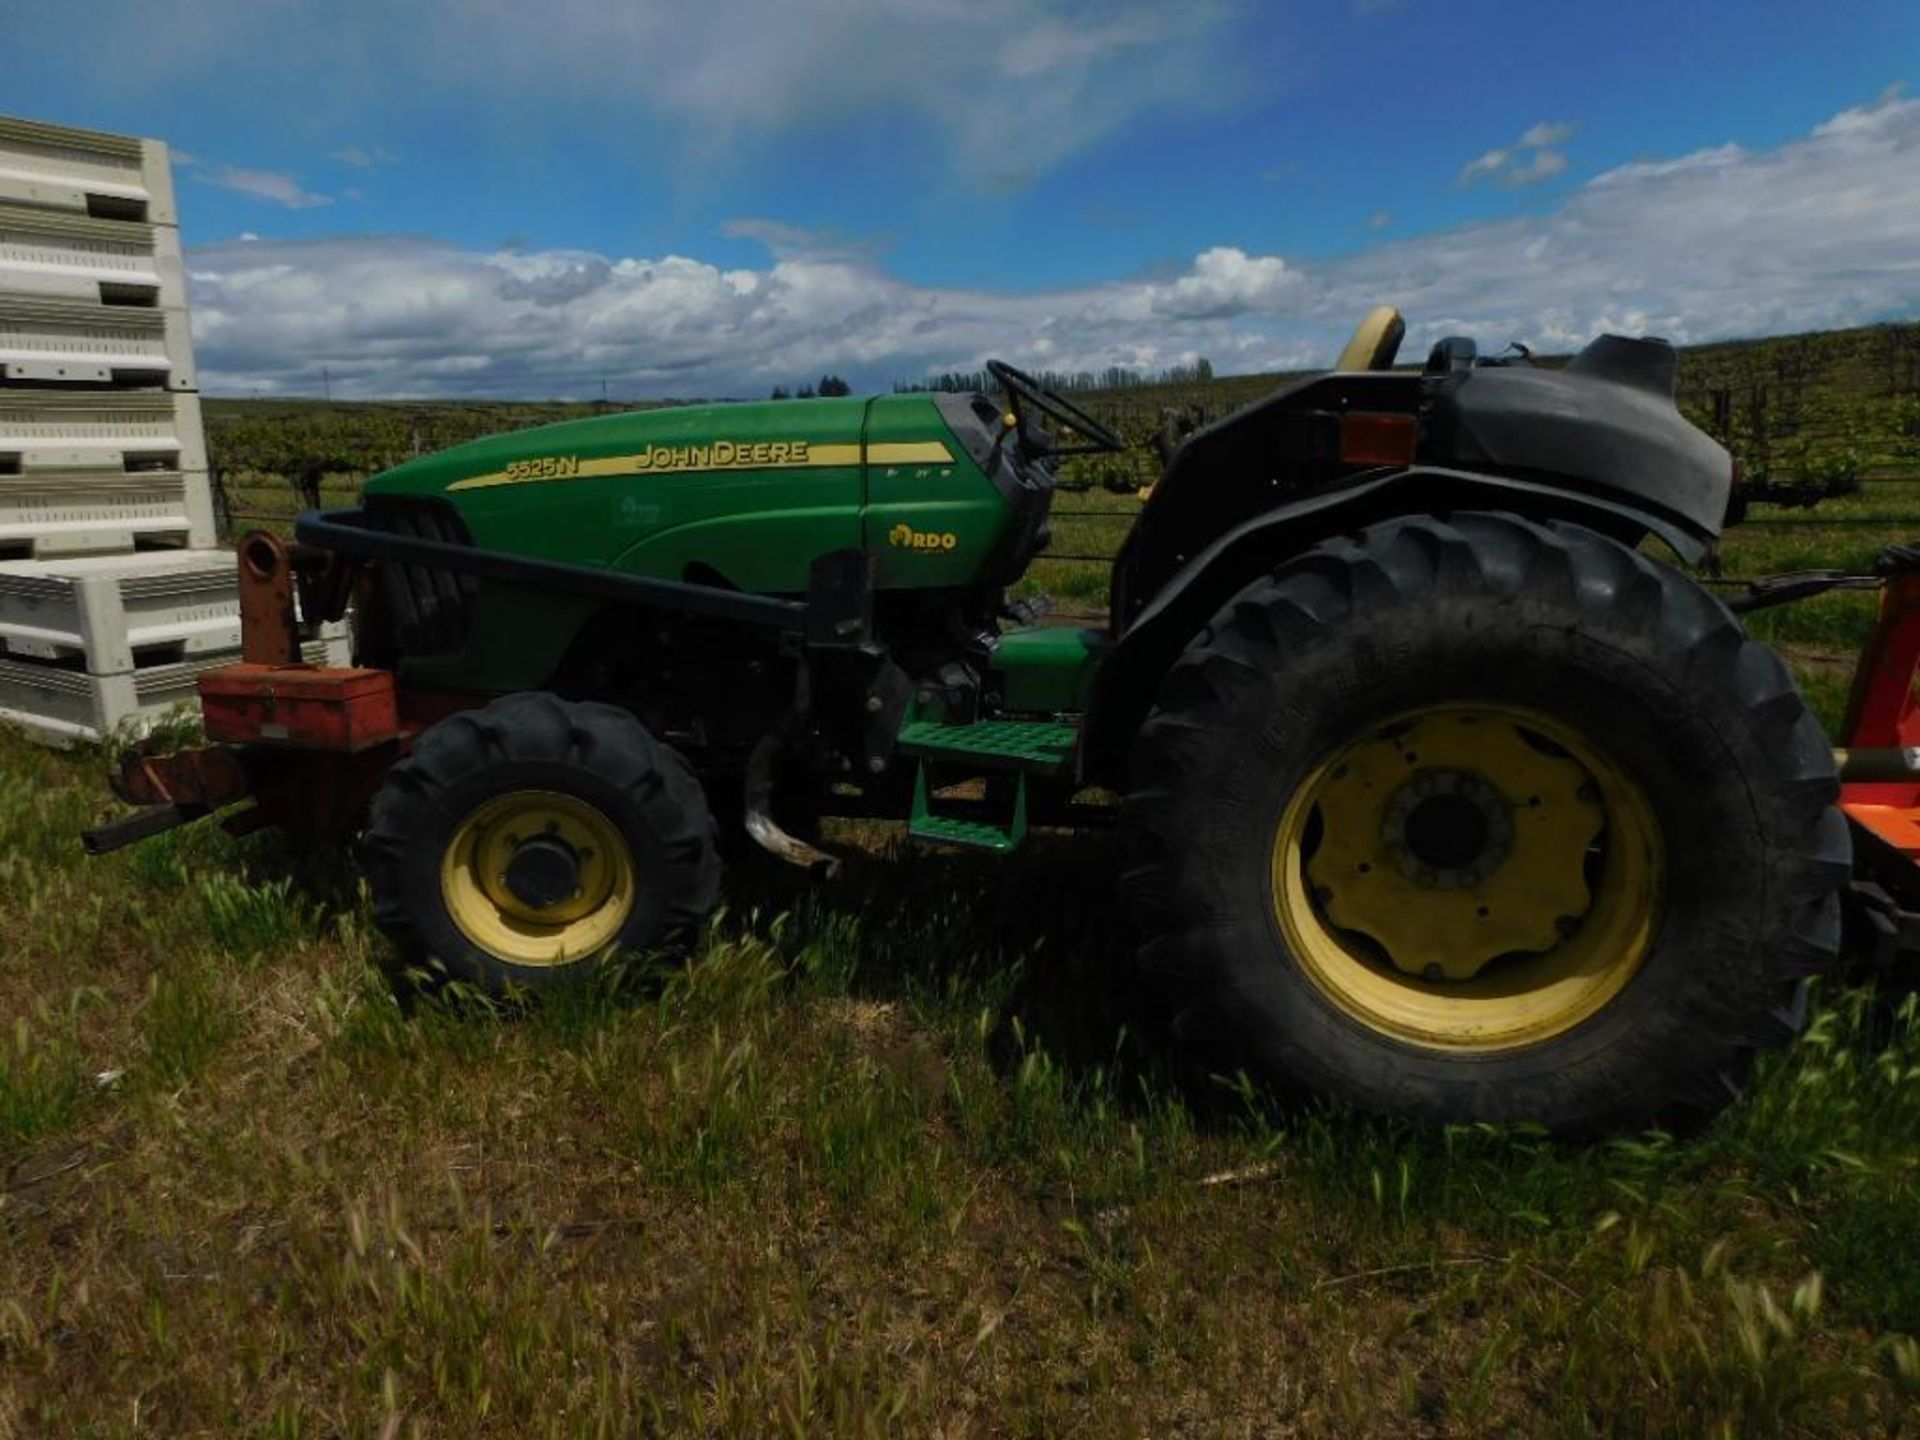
{"x": 1469, "y": 878}
{"x": 537, "y": 877}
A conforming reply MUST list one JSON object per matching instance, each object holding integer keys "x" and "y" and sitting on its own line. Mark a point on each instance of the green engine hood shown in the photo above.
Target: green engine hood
{"x": 747, "y": 494}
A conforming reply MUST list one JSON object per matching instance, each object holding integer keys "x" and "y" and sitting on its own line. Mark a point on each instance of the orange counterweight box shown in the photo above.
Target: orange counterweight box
{"x": 308, "y": 706}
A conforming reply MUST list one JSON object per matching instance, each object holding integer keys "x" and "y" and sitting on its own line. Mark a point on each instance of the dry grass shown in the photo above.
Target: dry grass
{"x": 892, "y": 1158}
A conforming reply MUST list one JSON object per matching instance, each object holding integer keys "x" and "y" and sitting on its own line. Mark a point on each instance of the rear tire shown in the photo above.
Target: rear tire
{"x": 1320, "y": 919}
{"x": 520, "y": 844}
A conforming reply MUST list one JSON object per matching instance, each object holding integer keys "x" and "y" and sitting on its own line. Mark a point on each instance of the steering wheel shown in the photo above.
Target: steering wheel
{"x": 1021, "y": 386}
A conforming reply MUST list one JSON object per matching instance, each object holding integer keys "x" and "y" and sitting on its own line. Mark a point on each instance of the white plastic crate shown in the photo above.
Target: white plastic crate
{"x": 92, "y": 295}
{"x": 82, "y": 342}
{"x": 50, "y": 513}
{"x": 114, "y": 263}
{"x": 87, "y": 471}
{"x": 111, "y": 430}
{"x": 101, "y": 630}
{"x": 62, "y": 707}
{"x": 109, "y": 613}
{"x": 89, "y": 172}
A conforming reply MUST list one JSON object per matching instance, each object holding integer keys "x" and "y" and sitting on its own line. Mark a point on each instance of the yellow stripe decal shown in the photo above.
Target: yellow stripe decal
{"x": 916, "y": 452}
{"x": 717, "y": 455}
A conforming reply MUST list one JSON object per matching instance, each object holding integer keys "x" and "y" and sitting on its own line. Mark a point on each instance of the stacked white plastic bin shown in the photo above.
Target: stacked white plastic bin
{"x": 112, "y": 595}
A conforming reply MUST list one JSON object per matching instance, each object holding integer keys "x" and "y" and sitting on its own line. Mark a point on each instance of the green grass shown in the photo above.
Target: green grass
{"x": 41, "y": 1080}
{"x": 903, "y": 1155}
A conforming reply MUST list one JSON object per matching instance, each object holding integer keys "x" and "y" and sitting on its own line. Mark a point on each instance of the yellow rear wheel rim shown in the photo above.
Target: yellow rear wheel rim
{"x": 1469, "y": 878}
{"x": 485, "y": 909}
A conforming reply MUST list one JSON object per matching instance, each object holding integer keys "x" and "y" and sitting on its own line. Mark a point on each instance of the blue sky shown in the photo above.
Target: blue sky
{"x": 476, "y": 196}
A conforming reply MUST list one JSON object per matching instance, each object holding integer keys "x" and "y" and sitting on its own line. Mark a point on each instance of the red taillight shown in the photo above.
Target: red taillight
{"x": 1369, "y": 438}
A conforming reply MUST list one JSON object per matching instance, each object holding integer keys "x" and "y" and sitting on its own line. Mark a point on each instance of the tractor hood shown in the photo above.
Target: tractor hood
{"x": 744, "y": 496}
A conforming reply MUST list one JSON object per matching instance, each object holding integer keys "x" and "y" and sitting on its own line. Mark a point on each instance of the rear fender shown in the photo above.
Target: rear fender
{"x": 1124, "y": 688}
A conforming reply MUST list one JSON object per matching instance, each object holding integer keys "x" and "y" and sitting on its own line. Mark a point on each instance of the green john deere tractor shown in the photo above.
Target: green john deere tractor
{"x": 1438, "y": 792}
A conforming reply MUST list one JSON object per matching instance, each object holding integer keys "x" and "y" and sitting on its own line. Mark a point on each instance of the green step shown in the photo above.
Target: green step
{"x": 1041, "y": 747}
{"x": 969, "y": 834}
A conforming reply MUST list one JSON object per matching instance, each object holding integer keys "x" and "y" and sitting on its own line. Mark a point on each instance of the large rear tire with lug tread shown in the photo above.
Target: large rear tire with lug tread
{"x": 521, "y": 843}
{"x": 1484, "y": 820}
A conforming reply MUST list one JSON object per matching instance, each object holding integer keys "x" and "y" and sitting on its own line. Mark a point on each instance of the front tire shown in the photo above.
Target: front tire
{"x": 1485, "y": 820}
{"x": 520, "y": 844}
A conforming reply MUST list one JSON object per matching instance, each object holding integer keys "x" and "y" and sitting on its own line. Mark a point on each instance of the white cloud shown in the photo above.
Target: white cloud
{"x": 796, "y": 241}
{"x": 1722, "y": 242}
{"x": 1489, "y": 163}
{"x": 365, "y": 159}
{"x": 1543, "y": 165}
{"x": 1529, "y": 160}
{"x": 1224, "y": 282}
{"x": 1007, "y": 88}
{"x": 1862, "y": 116}
{"x": 270, "y": 185}
{"x": 1013, "y": 86}
{"x": 1547, "y": 132}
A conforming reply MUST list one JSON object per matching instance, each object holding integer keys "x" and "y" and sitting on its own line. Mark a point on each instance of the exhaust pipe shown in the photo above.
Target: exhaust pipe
{"x": 761, "y": 826}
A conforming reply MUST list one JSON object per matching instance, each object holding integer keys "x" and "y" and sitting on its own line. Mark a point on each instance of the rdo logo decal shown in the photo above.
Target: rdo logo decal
{"x": 904, "y": 537}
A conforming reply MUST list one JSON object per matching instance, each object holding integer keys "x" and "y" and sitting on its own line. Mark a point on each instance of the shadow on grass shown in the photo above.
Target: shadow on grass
{"x": 1037, "y": 943}
{"x": 1039, "y": 947}
{"x": 1040, "y": 939}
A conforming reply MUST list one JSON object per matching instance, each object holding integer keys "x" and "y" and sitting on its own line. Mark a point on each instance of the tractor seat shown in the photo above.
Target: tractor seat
{"x": 1375, "y": 343}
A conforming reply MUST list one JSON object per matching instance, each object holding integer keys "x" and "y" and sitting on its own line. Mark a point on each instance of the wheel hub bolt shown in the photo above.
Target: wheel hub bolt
{"x": 543, "y": 872}
{"x": 1447, "y": 829}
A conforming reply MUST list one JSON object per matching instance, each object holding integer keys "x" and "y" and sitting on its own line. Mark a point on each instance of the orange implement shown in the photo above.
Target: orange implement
{"x": 311, "y": 707}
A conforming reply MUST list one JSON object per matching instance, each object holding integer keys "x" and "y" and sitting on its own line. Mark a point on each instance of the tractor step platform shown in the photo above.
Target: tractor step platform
{"x": 983, "y": 747}
{"x": 967, "y": 833}
{"x": 1037, "y": 747}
